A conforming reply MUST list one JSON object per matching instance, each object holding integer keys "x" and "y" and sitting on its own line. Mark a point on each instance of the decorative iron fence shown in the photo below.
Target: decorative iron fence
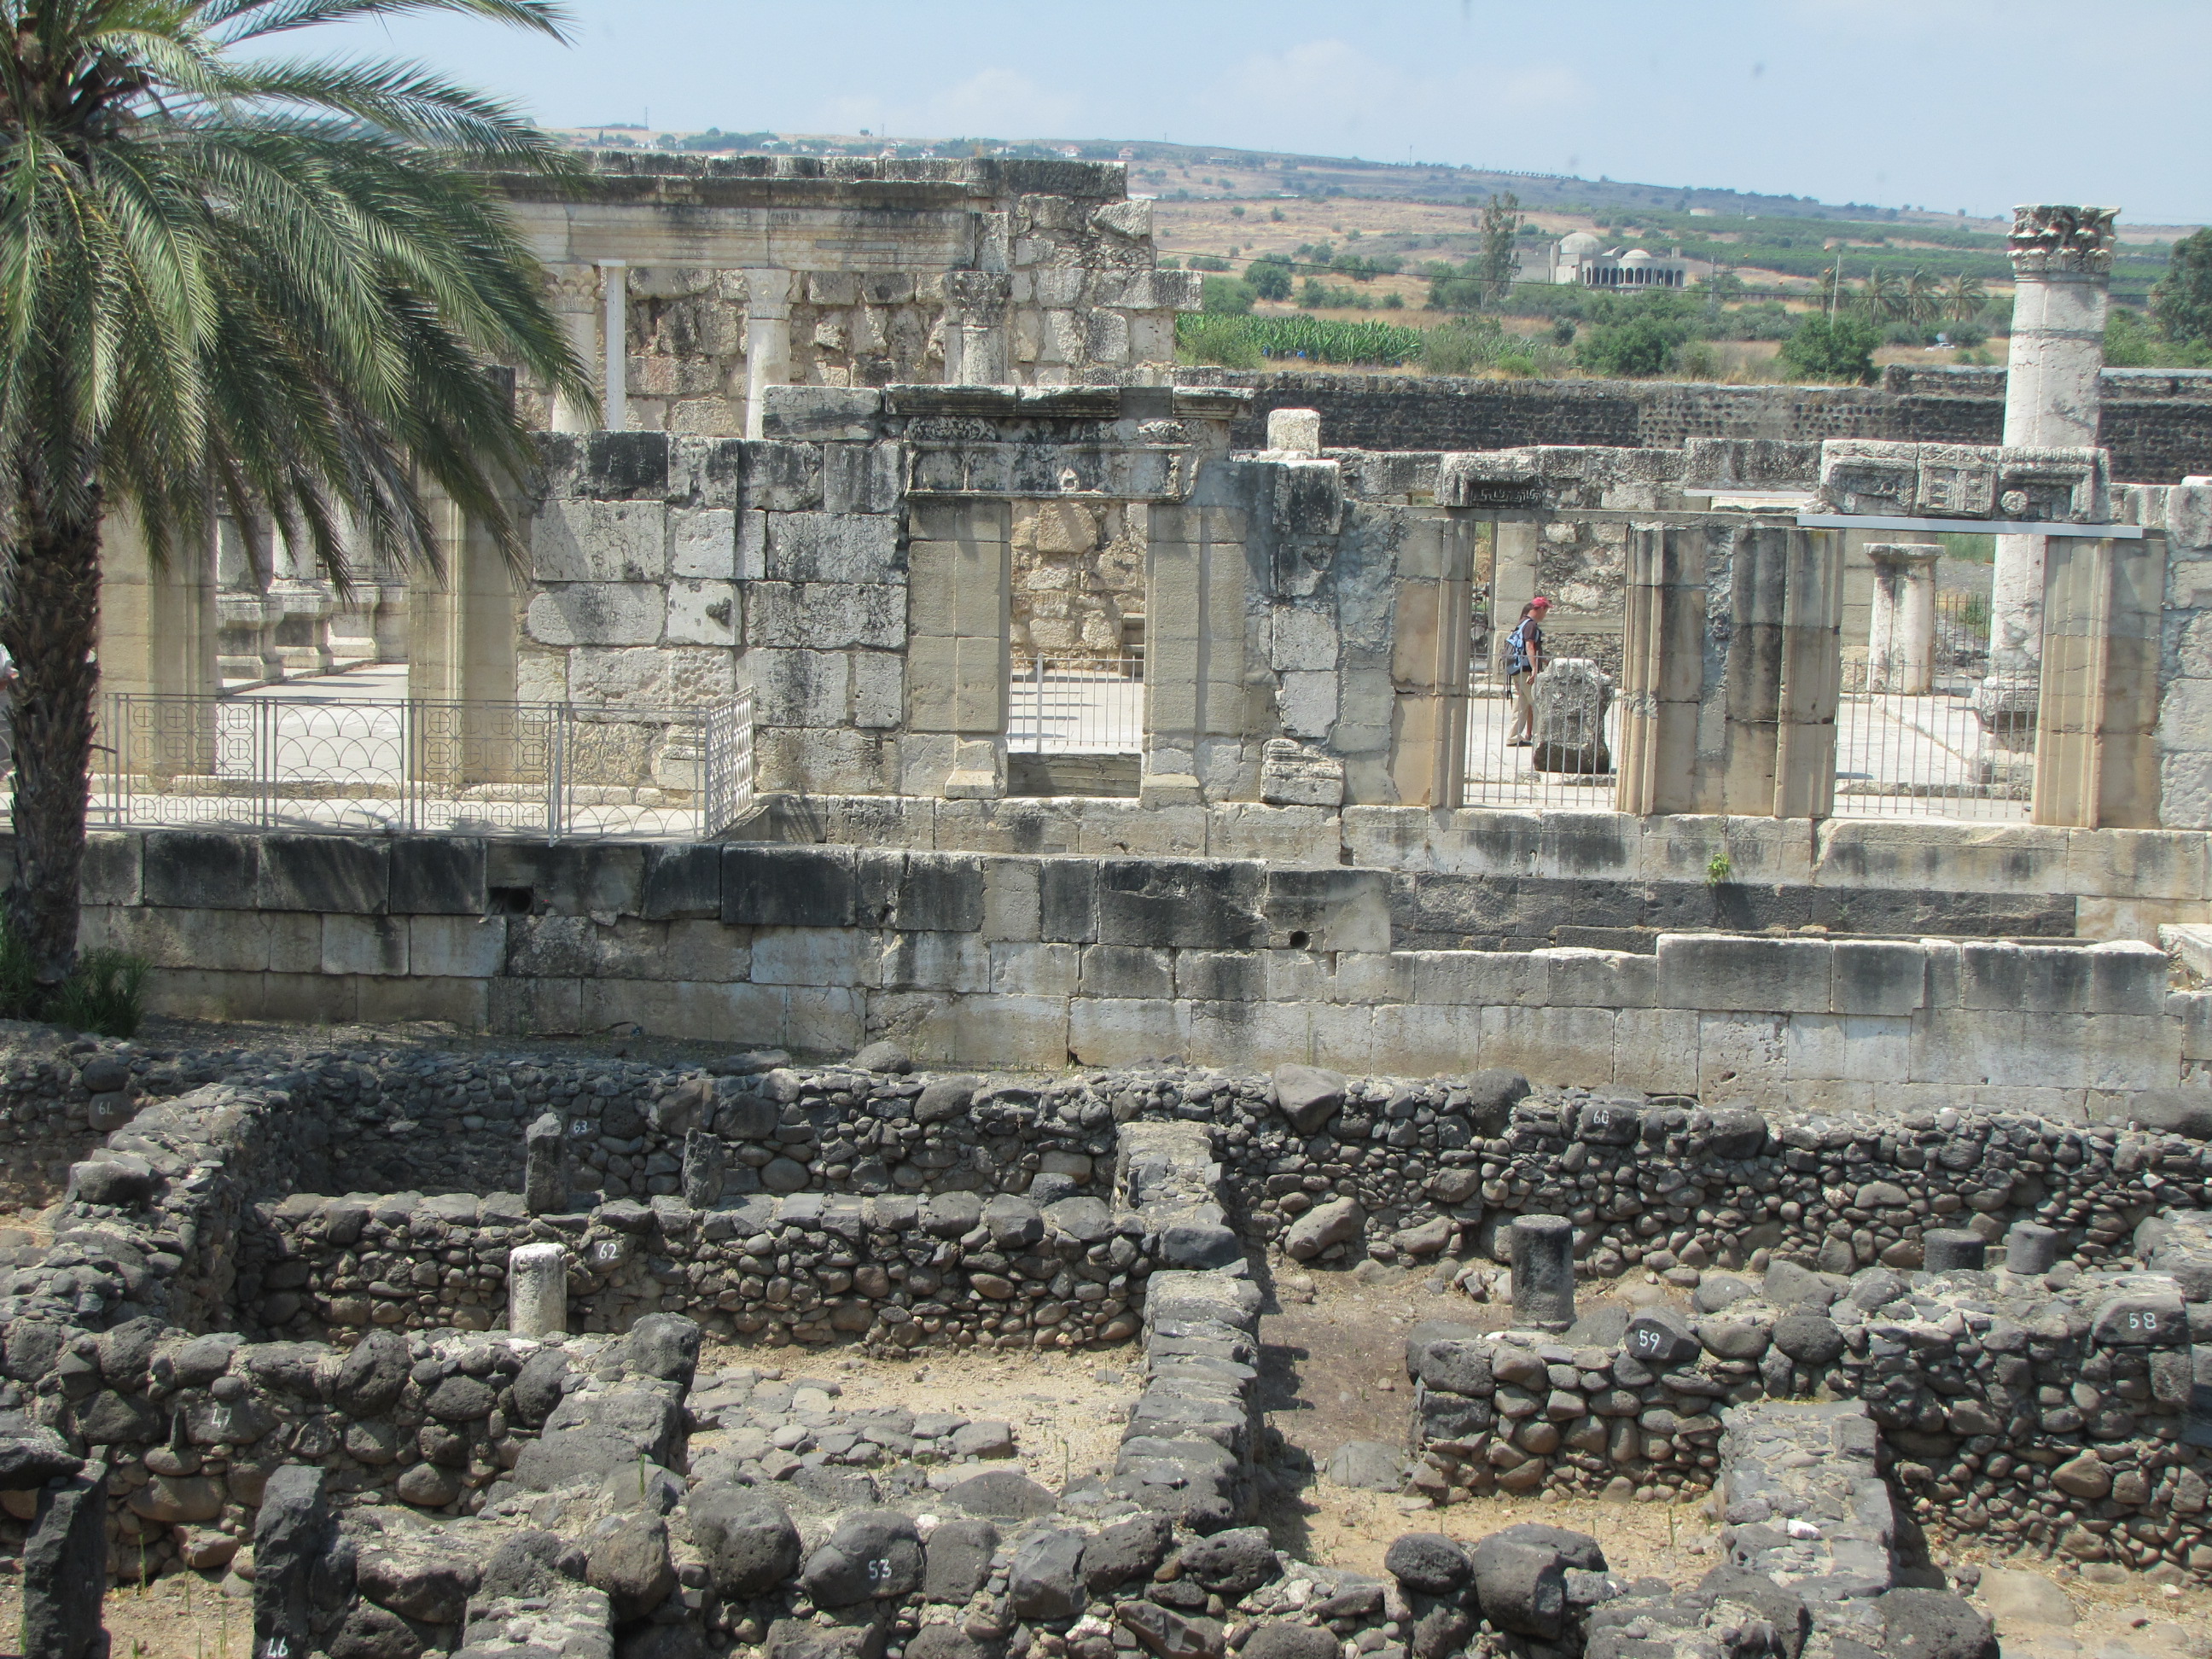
{"x": 555, "y": 771}
{"x": 1076, "y": 706}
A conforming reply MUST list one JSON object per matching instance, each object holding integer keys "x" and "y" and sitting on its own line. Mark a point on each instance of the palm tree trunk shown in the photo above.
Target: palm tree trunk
{"x": 50, "y": 624}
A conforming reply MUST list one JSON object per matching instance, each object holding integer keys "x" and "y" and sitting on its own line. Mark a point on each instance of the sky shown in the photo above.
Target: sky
{"x": 1945, "y": 104}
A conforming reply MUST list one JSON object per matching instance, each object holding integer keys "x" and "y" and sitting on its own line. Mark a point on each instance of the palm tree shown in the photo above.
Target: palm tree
{"x": 268, "y": 286}
{"x": 1963, "y": 298}
{"x": 1923, "y": 301}
{"x": 1883, "y": 295}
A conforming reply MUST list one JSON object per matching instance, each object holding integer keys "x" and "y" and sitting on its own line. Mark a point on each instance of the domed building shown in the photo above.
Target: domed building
{"x": 1580, "y": 257}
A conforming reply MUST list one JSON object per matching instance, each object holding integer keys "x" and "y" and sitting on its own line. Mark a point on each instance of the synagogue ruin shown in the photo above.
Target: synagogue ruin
{"x": 967, "y": 839}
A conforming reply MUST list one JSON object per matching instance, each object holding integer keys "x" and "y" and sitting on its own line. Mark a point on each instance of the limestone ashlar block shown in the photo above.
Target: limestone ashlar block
{"x": 780, "y": 476}
{"x": 1479, "y": 979}
{"x": 326, "y": 874}
{"x": 800, "y": 688}
{"x": 1031, "y": 967}
{"x": 113, "y": 869}
{"x": 703, "y": 543}
{"x": 295, "y": 942}
{"x": 365, "y": 944}
{"x": 224, "y": 941}
{"x": 682, "y": 883}
{"x": 1849, "y": 1047}
{"x": 814, "y": 955}
{"x": 1682, "y": 847}
{"x": 1581, "y": 978}
{"x": 457, "y": 947}
{"x": 1203, "y": 904}
{"x": 1879, "y": 976}
{"x": 788, "y": 886}
{"x": 1127, "y": 971}
{"x": 1967, "y": 1046}
{"x": 1568, "y": 1045}
{"x": 1329, "y": 909}
{"x": 1233, "y": 976}
{"x": 2126, "y": 976}
{"x": 568, "y": 878}
{"x": 937, "y": 892}
{"x": 823, "y": 414}
{"x": 1067, "y": 898}
{"x": 1954, "y": 858}
{"x": 1010, "y": 1030}
{"x": 2191, "y": 1013}
{"x": 535, "y": 1007}
{"x": 598, "y": 613}
{"x": 1102, "y": 1031}
{"x": 826, "y": 615}
{"x": 201, "y": 869}
{"x": 438, "y": 876}
{"x": 607, "y": 465}
{"x": 934, "y": 962}
{"x": 702, "y": 613}
{"x": 1726, "y": 974}
{"x": 834, "y": 547}
{"x": 592, "y": 541}
{"x": 863, "y": 477}
{"x": 1012, "y": 906}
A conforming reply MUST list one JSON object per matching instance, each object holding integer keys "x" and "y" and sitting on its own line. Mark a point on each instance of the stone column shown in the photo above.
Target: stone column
{"x": 573, "y": 297}
{"x": 1662, "y": 667}
{"x": 975, "y": 328}
{"x": 1514, "y": 553}
{"x": 768, "y": 342}
{"x": 537, "y": 1290}
{"x": 1196, "y": 646}
{"x": 2031, "y": 1247}
{"x": 2061, "y": 262}
{"x": 614, "y": 297}
{"x": 1950, "y": 1249}
{"x": 546, "y": 1166}
{"x": 65, "y": 1568}
{"x": 1901, "y": 627}
{"x": 1429, "y": 661}
{"x": 2096, "y": 721}
{"x": 1544, "y": 1271}
{"x": 959, "y": 594}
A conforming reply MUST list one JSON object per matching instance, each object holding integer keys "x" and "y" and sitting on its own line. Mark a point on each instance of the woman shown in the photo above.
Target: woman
{"x": 1524, "y": 660}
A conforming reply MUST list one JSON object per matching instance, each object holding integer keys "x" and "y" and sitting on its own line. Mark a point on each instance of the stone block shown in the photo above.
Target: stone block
{"x": 1232, "y": 976}
{"x": 1742, "y": 1050}
{"x": 365, "y": 944}
{"x": 934, "y": 962}
{"x": 1033, "y": 968}
{"x": 535, "y": 1007}
{"x": 1878, "y": 976}
{"x": 1117, "y": 1032}
{"x": 457, "y": 947}
{"x": 1681, "y": 848}
{"x": 1849, "y": 1047}
{"x": 1067, "y": 896}
{"x": 324, "y": 874}
{"x": 465, "y": 1003}
{"x": 113, "y": 868}
{"x": 1550, "y": 1045}
{"x": 683, "y": 882}
{"x": 937, "y": 892}
{"x": 1013, "y": 1030}
{"x": 2028, "y": 978}
{"x": 226, "y": 941}
{"x": 1580, "y": 978}
{"x": 1975, "y": 857}
{"x": 598, "y": 541}
{"x": 571, "y": 878}
{"x": 201, "y": 869}
{"x": 598, "y": 613}
{"x": 788, "y": 886}
{"x": 702, "y": 613}
{"x": 825, "y": 414}
{"x": 800, "y": 688}
{"x": 707, "y": 951}
{"x": 2126, "y": 976}
{"x": 2140, "y": 864}
{"x": 862, "y": 477}
{"x": 1429, "y": 1041}
{"x": 1967, "y": 1046}
{"x": 1478, "y": 979}
{"x": 1205, "y": 904}
{"x": 703, "y": 543}
{"x": 831, "y": 547}
{"x": 813, "y": 955}
{"x": 1656, "y": 1049}
{"x": 1013, "y": 908}
{"x": 1127, "y": 971}
{"x": 1766, "y": 975}
{"x": 1334, "y": 910}
{"x": 437, "y": 876}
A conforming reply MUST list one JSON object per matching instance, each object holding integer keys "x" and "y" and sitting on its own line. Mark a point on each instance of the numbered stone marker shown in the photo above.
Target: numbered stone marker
{"x": 2142, "y": 1319}
{"x": 1660, "y": 1339}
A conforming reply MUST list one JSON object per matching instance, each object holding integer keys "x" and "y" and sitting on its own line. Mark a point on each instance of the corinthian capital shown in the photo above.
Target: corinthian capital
{"x": 2047, "y": 238}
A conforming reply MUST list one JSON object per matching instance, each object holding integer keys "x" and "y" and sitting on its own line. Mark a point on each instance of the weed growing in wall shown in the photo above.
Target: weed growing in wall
{"x": 105, "y": 993}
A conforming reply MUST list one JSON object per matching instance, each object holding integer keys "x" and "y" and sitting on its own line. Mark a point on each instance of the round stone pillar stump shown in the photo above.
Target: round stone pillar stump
{"x": 1544, "y": 1271}
{"x": 2031, "y": 1247}
{"x": 537, "y": 1290}
{"x": 1901, "y": 636}
{"x": 1947, "y": 1250}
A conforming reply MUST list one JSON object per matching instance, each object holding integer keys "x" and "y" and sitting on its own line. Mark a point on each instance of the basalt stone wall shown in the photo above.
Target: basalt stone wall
{"x": 2158, "y": 423}
{"x": 897, "y": 1271}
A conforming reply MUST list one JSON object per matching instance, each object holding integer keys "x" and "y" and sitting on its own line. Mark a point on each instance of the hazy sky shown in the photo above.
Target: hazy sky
{"x": 1974, "y": 104}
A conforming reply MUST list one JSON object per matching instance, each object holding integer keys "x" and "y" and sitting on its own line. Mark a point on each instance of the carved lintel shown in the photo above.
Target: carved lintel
{"x": 2048, "y": 237}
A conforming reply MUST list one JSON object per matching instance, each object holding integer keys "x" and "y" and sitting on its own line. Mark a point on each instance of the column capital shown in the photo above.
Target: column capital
{"x": 2051, "y": 239}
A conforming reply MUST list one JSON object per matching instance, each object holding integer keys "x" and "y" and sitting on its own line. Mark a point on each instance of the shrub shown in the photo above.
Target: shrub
{"x": 105, "y": 993}
{"x": 1226, "y": 296}
{"x": 1818, "y": 350}
{"x": 1239, "y": 341}
{"x": 1218, "y": 339}
{"x": 1636, "y": 350}
{"x": 1269, "y": 278}
{"x": 1208, "y": 262}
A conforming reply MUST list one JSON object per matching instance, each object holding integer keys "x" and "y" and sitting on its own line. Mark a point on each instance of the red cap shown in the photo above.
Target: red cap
{"x": 1540, "y": 603}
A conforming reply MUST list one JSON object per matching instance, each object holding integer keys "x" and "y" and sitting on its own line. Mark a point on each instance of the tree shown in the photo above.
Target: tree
{"x": 1883, "y": 296}
{"x": 1501, "y": 226}
{"x": 1818, "y": 350}
{"x": 2182, "y": 301}
{"x": 1269, "y": 278}
{"x": 276, "y": 288}
{"x": 1637, "y": 348}
{"x": 1224, "y": 296}
{"x": 1965, "y": 298}
{"x": 1924, "y": 299}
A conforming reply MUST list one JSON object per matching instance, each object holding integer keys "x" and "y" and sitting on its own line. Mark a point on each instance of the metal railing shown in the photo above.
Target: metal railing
{"x": 1554, "y": 749}
{"x": 555, "y": 771}
{"x": 1076, "y": 706}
